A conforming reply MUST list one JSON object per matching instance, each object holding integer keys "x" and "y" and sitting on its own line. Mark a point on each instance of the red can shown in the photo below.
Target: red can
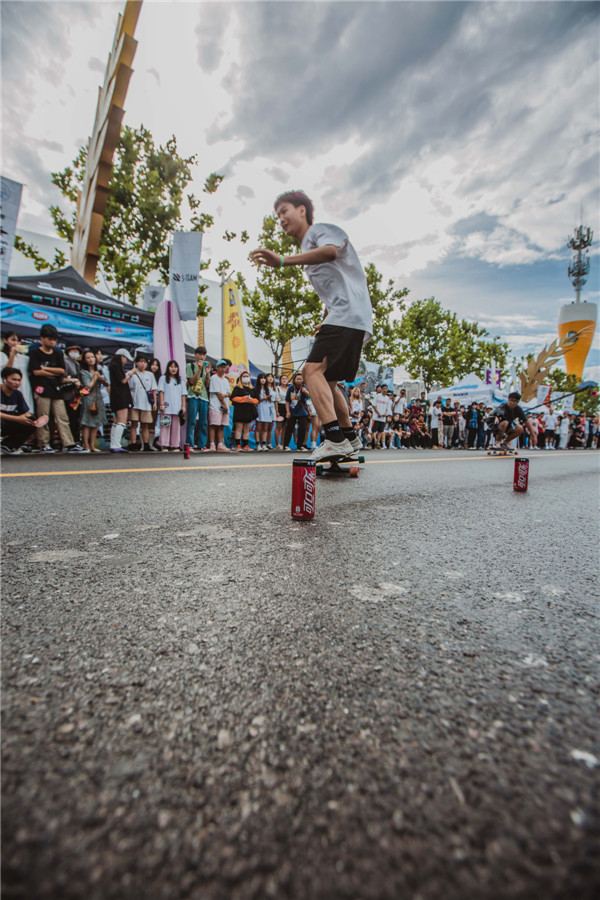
{"x": 304, "y": 483}
{"x": 521, "y": 476}
{"x": 186, "y": 451}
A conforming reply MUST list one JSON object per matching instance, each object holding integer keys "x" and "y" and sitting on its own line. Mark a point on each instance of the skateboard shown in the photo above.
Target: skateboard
{"x": 337, "y": 465}
{"x": 502, "y": 451}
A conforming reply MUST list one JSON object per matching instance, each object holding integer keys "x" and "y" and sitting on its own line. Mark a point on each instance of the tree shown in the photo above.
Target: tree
{"x": 439, "y": 347}
{"x": 283, "y": 305}
{"x": 585, "y": 401}
{"x": 383, "y": 347}
{"x": 144, "y": 208}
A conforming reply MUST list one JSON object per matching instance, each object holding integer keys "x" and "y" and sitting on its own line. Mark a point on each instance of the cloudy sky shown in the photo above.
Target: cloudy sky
{"x": 455, "y": 142}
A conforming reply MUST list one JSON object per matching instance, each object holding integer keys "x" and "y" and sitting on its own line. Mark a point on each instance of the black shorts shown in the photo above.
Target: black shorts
{"x": 342, "y": 348}
{"x": 377, "y": 427}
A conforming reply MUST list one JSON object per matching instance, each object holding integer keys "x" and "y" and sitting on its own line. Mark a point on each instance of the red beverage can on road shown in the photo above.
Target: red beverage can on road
{"x": 186, "y": 451}
{"x": 304, "y": 483}
{"x": 521, "y": 476}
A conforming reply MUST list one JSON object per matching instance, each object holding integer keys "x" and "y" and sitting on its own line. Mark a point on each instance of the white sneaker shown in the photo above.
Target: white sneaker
{"x": 287, "y": 450}
{"x": 329, "y": 450}
{"x": 221, "y": 448}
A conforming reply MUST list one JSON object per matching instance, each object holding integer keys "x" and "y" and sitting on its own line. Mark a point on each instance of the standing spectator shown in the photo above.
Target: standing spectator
{"x": 218, "y": 407}
{"x": 436, "y": 417}
{"x": 550, "y": 424}
{"x": 356, "y": 406}
{"x": 462, "y": 427}
{"x": 481, "y": 428}
{"x": 244, "y": 411}
{"x": 280, "y": 394}
{"x": 104, "y": 385}
{"x": 397, "y": 431}
{"x": 541, "y": 431}
{"x": 448, "y": 425}
{"x": 16, "y": 422}
{"x": 400, "y": 403}
{"x": 46, "y": 371}
{"x": 473, "y": 418}
{"x": 425, "y": 404}
{"x": 120, "y": 397}
{"x": 273, "y": 391}
{"x": 13, "y": 354}
{"x": 93, "y": 412}
{"x": 594, "y": 428}
{"x": 563, "y": 431}
{"x": 70, "y": 388}
{"x": 143, "y": 389}
{"x": 532, "y": 427}
{"x": 315, "y": 425}
{"x": 296, "y": 402}
{"x": 198, "y": 380}
{"x": 264, "y": 410}
{"x": 382, "y": 408}
{"x": 172, "y": 396}
{"x": 155, "y": 367}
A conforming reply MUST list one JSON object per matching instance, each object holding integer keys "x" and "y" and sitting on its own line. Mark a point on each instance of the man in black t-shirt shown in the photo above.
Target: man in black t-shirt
{"x": 46, "y": 371}
{"x": 502, "y": 420}
{"x": 16, "y": 423}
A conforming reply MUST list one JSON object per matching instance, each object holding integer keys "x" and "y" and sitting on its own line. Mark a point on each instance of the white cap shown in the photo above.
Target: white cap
{"x": 123, "y": 352}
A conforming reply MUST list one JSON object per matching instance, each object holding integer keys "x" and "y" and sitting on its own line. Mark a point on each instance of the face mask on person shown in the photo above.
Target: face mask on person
{"x": 245, "y": 380}
{"x": 73, "y": 354}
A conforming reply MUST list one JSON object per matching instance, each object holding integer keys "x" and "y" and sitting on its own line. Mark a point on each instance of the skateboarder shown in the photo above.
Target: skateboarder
{"x": 501, "y": 421}
{"x": 336, "y": 274}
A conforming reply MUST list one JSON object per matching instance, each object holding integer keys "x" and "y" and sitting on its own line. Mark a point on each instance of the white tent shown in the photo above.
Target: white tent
{"x": 470, "y": 388}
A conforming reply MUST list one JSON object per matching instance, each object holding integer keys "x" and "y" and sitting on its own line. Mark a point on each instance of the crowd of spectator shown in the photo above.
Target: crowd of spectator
{"x": 53, "y": 401}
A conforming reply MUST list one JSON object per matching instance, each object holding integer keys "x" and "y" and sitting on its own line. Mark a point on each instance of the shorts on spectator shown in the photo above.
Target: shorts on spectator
{"x": 218, "y": 418}
{"x": 140, "y": 415}
{"x": 377, "y": 427}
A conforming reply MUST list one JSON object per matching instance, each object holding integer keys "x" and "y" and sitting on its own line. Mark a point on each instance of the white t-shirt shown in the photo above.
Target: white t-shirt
{"x": 550, "y": 421}
{"x": 139, "y": 384}
{"x": 435, "y": 416}
{"x": 400, "y": 405}
{"x": 382, "y": 406}
{"x": 173, "y": 393}
{"x": 341, "y": 284}
{"x": 223, "y": 387}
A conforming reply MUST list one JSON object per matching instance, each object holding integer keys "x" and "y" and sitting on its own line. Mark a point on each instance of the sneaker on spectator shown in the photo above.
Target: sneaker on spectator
{"x": 287, "y": 450}
{"x": 11, "y": 451}
{"x": 74, "y": 448}
{"x": 221, "y": 448}
{"x": 304, "y": 450}
{"x": 248, "y": 449}
{"x": 47, "y": 449}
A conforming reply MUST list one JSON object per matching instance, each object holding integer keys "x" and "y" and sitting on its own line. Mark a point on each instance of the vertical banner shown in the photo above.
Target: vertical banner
{"x": 201, "y": 342}
{"x": 10, "y": 201}
{"x": 233, "y": 340}
{"x": 184, "y": 273}
{"x": 287, "y": 366}
{"x": 153, "y": 295}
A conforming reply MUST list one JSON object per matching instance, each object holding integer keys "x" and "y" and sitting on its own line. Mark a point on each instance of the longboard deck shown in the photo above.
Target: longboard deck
{"x": 341, "y": 465}
{"x": 505, "y": 451}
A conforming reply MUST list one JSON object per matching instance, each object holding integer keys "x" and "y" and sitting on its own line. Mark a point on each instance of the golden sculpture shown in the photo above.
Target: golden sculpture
{"x": 537, "y": 370}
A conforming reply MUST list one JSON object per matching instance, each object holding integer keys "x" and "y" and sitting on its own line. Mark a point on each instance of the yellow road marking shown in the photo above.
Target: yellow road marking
{"x": 280, "y": 465}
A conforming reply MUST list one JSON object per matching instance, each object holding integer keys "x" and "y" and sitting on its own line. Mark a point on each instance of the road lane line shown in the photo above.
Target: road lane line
{"x": 281, "y": 465}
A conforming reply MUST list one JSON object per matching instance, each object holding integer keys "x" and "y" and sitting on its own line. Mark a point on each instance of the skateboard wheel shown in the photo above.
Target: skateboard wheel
{"x": 489, "y": 452}
{"x": 516, "y": 452}
{"x": 361, "y": 459}
{"x": 353, "y": 471}
{"x": 320, "y": 470}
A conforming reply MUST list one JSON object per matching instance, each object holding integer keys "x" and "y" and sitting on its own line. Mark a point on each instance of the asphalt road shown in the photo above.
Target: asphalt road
{"x": 206, "y": 699}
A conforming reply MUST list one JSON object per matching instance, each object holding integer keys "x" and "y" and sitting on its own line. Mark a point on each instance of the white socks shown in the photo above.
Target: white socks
{"x": 116, "y": 433}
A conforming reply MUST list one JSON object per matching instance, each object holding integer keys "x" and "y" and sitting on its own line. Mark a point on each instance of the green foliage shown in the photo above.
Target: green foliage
{"x": 383, "y": 347}
{"x": 435, "y": 344}
{"x": 283, "y": 306}
{"x": 40, "y": 264}
{"x": 583, "y": 402}
{"x": 145, "y": 197}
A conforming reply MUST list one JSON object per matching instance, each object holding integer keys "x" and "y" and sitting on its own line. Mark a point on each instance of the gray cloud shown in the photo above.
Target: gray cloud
{"x": 96, "y": 65}
{"x": 278, "y": 174}
{"x": 244, "y": 192}
{"x": 409, "y": 80}
{"x": 155, "y": 73}
{"x": 210, "y": 31}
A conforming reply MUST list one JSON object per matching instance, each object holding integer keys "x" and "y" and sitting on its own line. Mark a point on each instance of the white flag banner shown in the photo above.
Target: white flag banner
{"x": 10, "y": 200}
{"x": 153, "y": 295}
{"x": 185, "y": 271}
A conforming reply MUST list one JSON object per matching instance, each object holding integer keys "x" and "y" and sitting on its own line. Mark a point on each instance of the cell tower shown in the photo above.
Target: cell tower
{"x": 580, "y": 266}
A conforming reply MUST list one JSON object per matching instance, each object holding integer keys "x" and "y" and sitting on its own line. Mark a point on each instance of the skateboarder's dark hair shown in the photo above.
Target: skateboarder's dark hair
{"x": 514, "y": 395}
{"x": 296, "y": 198}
